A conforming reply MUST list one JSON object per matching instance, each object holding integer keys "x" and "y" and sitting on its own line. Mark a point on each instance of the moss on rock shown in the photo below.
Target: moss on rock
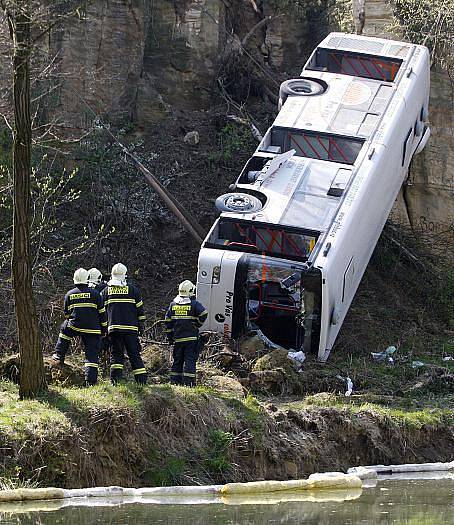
{"x": 275, "y": 373}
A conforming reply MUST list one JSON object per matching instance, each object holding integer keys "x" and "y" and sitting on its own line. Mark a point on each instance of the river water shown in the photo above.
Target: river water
{"x": 396, "y": 501}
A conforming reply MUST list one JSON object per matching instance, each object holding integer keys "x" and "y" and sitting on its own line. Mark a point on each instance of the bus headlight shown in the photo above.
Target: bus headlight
{"x": 216, "y": 276}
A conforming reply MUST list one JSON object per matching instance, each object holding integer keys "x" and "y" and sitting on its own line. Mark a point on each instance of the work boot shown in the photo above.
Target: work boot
{"x": 141, "y": 379}
{"x": 59, "y": 359}
{"x": 176, "y": 379}
{"x": 188, "y": 381}
{"x": 91, "y": 375}
{"x": 116, "y": 373}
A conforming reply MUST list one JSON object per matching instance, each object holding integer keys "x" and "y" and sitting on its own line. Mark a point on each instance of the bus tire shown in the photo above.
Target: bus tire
{"x": 238, "y": 202}
{"x": 299, "y": 87}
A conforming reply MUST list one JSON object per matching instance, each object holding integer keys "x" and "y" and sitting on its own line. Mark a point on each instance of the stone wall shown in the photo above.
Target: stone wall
{"x": 427, "y": 201}
{"x": 135, "y": 60}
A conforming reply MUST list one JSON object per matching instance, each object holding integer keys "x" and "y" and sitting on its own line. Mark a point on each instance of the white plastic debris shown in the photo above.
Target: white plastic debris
{"x": 349, "y": 384}
{"x": 448, "y": 358}
{"x": 297, "y": 357}
{"x": 267, "y": 342}
{"x": 417, "y": 364}
{"x": 385, "y": 355}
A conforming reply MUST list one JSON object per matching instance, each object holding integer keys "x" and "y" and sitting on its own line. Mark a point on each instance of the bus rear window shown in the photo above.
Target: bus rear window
{"x": 317, "y": 145}
{"x": 259, "y": 238}
{"x": 355, "y": 64}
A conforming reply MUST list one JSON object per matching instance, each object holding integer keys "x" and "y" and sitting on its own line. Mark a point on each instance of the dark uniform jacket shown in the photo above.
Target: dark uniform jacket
{"x": 183, "y": 319}
{"x": 124, "y": 308}
{"x": 84, "y": 309}
{"x": 100, "y": 286}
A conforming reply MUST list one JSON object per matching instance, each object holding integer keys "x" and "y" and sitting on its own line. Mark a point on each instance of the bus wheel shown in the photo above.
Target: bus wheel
{"x": 238, "y": 202}
{"x": 299, "y": 86}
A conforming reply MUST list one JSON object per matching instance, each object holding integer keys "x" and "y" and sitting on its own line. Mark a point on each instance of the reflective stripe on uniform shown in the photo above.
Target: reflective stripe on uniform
{"x": 92, "y": 365}
{"x": 102, "y": 310}
{"x": 167, "y": 329}
{"x": 187, "y": 374}
{"x": 104, "y": 324}
{"x": 139, "y": 304}
{"x": 176, "y": 373}
{"x": 85, "y": 330}
{"x": 123, "y": 327}
{"x": 116, "y": 367}
{"x": 85, "y": 305}
{"x": 142, "y": 318}
{"x": 138, "y": 371}
{"x": 205, "y": 312}
{"x": 109, "y": 301}
{"x": 184, "y": 339}
{"x": 63, "y": 336}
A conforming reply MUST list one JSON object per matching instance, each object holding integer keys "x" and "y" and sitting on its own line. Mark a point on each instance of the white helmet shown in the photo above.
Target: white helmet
{"x": 119, "y": 272}
{"x": 94, "y": 276}
{"x": 80, "y": 276}
{"x": 186, "y": 289}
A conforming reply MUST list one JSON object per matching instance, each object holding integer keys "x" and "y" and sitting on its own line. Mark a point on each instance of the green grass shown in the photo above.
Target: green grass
{"x": 218, "y": 451}
{"x": 252, "y": 413}
{"x": 11, "y": 483}
{"x": 103, "y": 395}
{"x": 410, "y": 418}
{"x": 20, "y": 419}
{"x": 166, "y": 474}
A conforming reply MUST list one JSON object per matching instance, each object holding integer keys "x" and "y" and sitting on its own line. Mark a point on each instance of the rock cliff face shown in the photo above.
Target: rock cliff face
{"x": 426, "y": 202}
{"x": 101, "y": 60}
{"x": 137, "y": 60}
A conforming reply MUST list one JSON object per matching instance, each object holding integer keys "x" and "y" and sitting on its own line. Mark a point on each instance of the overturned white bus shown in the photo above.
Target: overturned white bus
{"x": 295, "y": 235}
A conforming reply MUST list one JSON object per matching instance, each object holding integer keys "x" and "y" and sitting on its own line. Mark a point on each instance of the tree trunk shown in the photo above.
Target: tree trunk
{"x": 32, "y": 379}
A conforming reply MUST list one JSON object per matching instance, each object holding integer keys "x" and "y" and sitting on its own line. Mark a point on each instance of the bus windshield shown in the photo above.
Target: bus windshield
{"x": 274, "y": 241}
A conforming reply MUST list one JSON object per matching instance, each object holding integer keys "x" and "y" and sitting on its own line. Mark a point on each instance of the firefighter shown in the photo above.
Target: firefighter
{"x": 85, "y": 315}
{"x": 126, "y": 322}
{"x": 95, "y": 279}
{"x": 183, "y": 319}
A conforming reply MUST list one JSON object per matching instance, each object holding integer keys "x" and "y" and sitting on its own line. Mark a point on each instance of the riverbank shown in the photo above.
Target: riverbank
{"x": 165, "y": 435}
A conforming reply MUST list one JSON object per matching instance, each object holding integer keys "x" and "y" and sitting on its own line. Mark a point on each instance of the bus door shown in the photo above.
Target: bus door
{"x": 284, "y": 301}
{"x": 273, "y": 300}
{"x": 275, "y": 311}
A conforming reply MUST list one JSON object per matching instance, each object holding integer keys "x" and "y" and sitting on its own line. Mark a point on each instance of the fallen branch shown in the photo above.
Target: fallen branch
{"x": 246, "y": 122}
{"x": 411, "y": 256}
{"x": 257, "y": 26}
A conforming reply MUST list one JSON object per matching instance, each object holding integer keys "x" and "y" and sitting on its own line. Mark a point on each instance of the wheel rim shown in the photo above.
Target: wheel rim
{"x": 239, "y": 203}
